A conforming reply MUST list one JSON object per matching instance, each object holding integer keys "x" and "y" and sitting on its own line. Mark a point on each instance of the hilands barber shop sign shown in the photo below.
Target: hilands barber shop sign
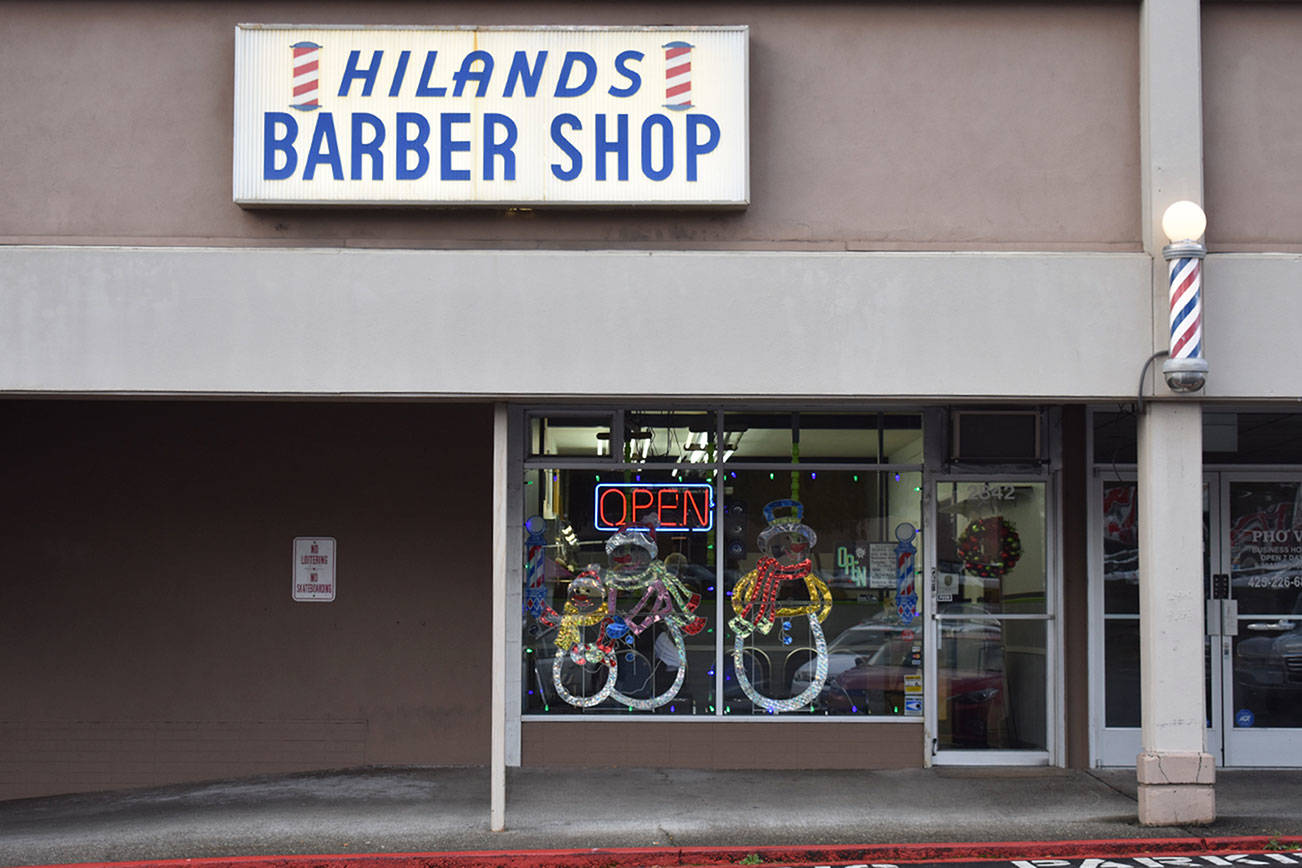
{"x": 491, "y": 116}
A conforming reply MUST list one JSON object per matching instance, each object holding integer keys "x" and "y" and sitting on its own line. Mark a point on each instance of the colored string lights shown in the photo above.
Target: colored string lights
{"x": 785, "y": 544}
{"x": 594, "y": 600}
{"x": 806, "y": 696}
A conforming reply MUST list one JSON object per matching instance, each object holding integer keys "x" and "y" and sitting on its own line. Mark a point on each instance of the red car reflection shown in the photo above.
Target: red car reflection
{"x": 971, "y": 674}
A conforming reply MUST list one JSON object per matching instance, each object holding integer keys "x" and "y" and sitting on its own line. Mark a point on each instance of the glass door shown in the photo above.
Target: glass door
{"x": 991, "y": 612}
{"x": 1253, "y": 583}
{"x": 1255, "y": 619}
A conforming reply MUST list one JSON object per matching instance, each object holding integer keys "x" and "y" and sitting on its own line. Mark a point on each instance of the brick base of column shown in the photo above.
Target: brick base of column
{"x": 1176, "y": 788}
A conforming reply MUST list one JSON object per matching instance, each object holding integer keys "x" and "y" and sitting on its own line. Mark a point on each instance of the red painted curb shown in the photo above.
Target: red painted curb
{"x": 680, "y": 857}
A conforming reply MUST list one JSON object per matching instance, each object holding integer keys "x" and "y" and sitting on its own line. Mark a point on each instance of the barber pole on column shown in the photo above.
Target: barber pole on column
{"x": 1185, "y": 369}
{"x": 678, "y": 76}
{"x": 1186, "y": 279}
{"x": 307, "y": 75}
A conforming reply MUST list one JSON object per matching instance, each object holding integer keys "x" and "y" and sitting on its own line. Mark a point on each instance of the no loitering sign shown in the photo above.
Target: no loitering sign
{"x": 314, "y": 569}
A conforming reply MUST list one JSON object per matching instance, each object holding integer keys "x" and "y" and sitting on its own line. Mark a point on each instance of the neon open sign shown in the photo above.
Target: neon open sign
{"x": 685, "y": 506}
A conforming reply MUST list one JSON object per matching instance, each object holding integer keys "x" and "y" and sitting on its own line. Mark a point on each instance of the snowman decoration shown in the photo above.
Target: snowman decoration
{"x": 785, "y": 547}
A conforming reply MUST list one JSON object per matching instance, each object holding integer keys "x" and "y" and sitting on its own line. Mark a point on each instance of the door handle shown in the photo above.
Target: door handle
{"x": 1278, "y": 625}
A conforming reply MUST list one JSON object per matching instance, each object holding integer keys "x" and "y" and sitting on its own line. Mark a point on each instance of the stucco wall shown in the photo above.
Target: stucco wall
{"x": 1252, "y": 305}
{"x": 573, "y": 324}
{"x": 149, "y": 634}
{"x": 1252, "y": 112}
{"x": 873, "y": 126}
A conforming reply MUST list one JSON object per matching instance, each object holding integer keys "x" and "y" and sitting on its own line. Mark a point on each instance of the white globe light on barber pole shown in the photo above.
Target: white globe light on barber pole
{"x": 1185, "y": 369}
{"x": 1184, "y": 221}
{"x": 307, "y": 76}
{"x": 678, "y": 76}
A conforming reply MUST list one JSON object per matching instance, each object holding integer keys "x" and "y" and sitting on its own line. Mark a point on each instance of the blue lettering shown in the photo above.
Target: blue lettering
{"x": 422, "y": 87}
{"x": 406, "y": 144}
{"x": 400, "y": 73}
{"x": 446, "y": 172}
{"x": 273, "y": 144}
{"x": 666, "y": 147}
{"x": 634, "y": 80}
{"x": 494, "y": 148}
{"x": 324, "y": 149}
{"x": 369, "y": 148}
{"x": 697, "y": 148}
{"x": 366, "y": 75}
{"x": 563, "y": 86}
{"x": 619, "y": 146}
{"x": 520, "y": 71}
{"x": 465, "y": 73}
{"x": 576, "y": 158}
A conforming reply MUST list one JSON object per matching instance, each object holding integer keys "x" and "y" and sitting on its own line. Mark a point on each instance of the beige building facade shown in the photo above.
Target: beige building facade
{"x": 923, "y": 340}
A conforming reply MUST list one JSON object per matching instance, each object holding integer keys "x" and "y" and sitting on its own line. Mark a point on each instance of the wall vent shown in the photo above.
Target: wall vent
{"x": 996, "y": 435}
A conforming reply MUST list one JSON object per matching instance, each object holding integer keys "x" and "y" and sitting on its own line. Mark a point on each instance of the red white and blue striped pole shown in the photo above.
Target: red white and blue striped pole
{"x": 1185, "y": 369}
{"x": 1186, "y": 273}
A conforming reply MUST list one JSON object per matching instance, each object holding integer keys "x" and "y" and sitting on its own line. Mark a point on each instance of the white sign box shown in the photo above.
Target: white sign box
{"x": 507, "y": 116}
{"x": 314, "y": 569}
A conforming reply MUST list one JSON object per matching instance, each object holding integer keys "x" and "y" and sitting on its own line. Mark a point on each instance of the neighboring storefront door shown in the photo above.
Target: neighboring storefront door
{"x": 1253, "y": 651}
{"x": 1255, "y": 620}
{"x": 991, "y": 631}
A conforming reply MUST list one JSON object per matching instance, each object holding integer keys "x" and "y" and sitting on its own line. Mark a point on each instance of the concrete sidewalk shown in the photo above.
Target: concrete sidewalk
{"x": 407, "y": 810}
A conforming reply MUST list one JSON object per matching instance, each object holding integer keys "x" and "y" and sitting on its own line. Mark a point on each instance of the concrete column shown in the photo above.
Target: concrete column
{"x": 1176, "y": 774}
{"x": 497, "y": 753}
{"x": 1170, "y": 111}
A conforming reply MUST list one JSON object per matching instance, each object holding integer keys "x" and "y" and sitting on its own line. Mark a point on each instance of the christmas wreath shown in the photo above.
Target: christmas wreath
{"x": 989, "y": 547}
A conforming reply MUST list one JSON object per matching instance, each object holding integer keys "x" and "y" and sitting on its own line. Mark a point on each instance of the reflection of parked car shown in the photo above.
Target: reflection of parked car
{"x": 1269, "y": 667}
{"x": 860, "y": 642}
{"x": 854, "y": 645}
{"x": 971, "y": 667}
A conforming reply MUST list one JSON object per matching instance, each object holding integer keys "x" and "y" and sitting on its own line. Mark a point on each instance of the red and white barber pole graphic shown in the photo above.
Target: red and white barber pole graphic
{"x": 307, "y": 75}
{"x": 678, "y": 76}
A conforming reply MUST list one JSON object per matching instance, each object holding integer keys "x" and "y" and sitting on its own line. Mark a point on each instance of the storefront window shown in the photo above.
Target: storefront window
{"x": 619, "y": 581}
{"x": 812, "y": 578}
{"x": 669, "y": 437}
{"x": 674, "y": 578}
{"x": 571, "y": 435}
{"x": 1228, "y": 438}
{"x": 833, "y": 438}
